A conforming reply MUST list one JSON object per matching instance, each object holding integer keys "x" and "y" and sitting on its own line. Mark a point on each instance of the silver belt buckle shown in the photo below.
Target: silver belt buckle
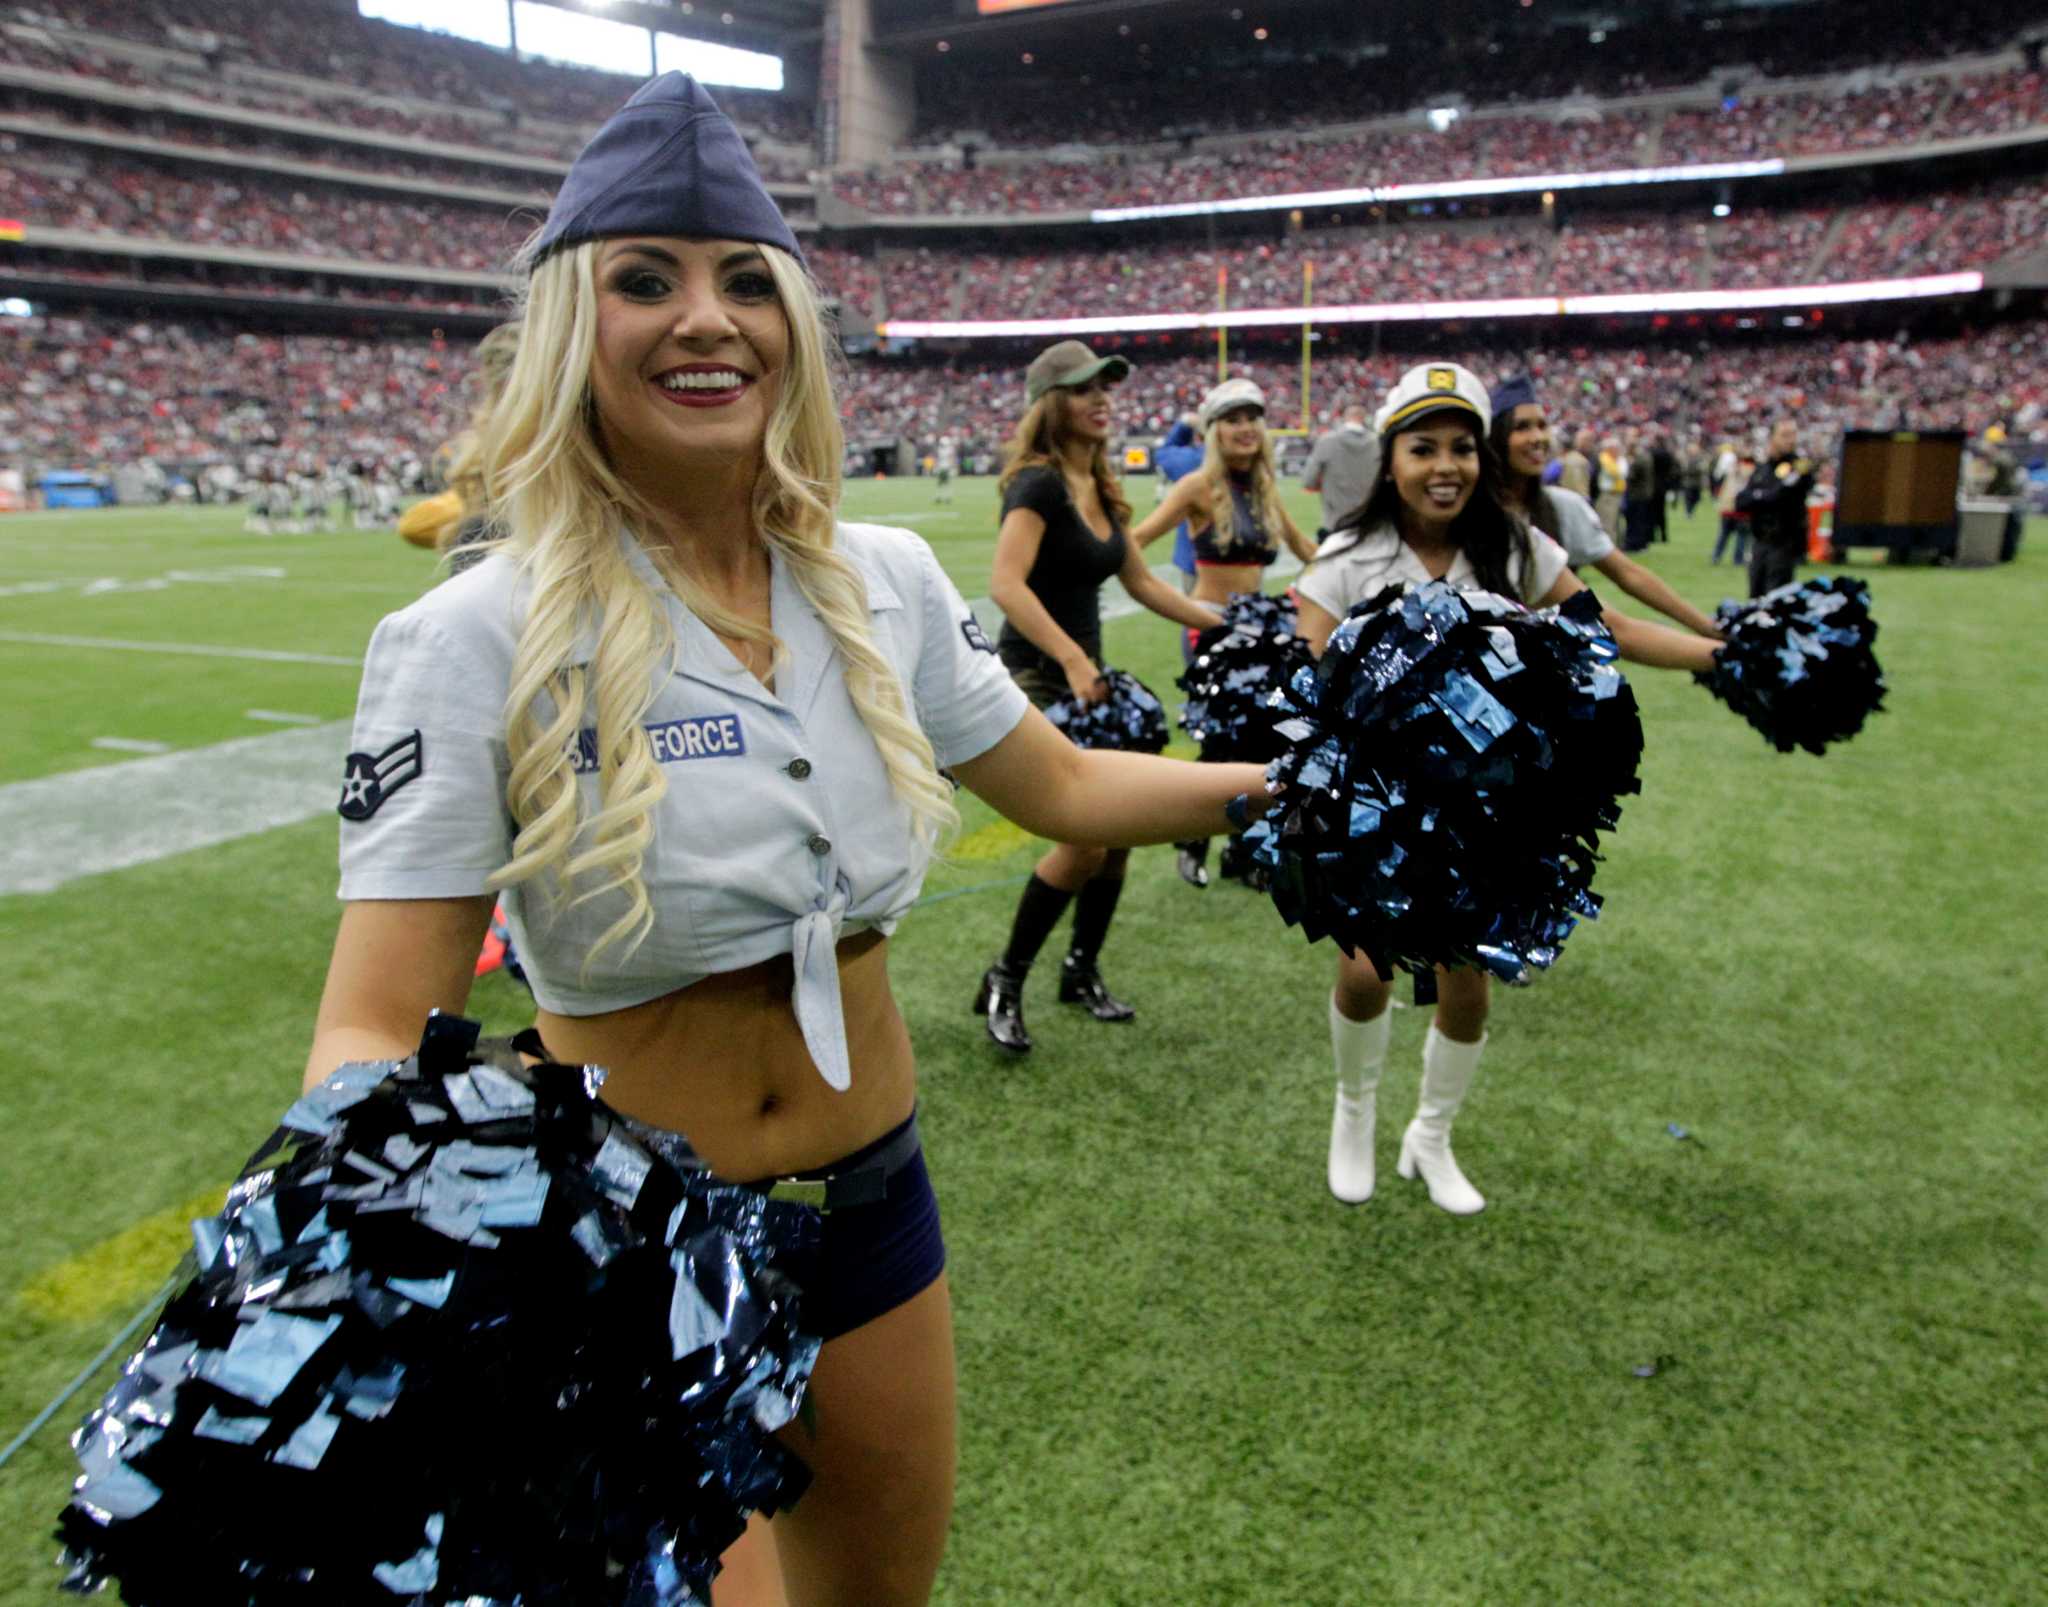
{"x": 809, "y": 1191}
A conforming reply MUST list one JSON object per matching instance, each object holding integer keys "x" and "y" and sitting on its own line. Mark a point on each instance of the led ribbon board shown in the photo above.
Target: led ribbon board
{"x": 1667, "y": 301}
{"x": 1445, "y": 190}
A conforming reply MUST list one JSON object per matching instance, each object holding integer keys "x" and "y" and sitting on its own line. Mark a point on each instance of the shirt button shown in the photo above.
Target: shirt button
{"x": 799, "y": 769}
{"x": 819, "y": 844}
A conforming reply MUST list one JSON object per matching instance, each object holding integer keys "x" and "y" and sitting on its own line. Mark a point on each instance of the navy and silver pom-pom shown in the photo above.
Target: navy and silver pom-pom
{"x": 1130, "y": 719}
{"x": 455, "y": 1337}
{"x": 1450, "y": 764}
{"x": 1797, "y": 662}
{"x": 1236, "y": 667}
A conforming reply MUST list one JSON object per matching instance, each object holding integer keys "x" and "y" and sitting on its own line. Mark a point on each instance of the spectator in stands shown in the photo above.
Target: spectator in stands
{"x": 1610, "y": 484}
{"x": 1639, "y": 497}
{"x": 1342, "y": 467}
{"x": 1520, "y": 440}
{"x": 1731, "y": 471}
{"x": 1175, "y": 458}
{"x": 1574, "y": 472}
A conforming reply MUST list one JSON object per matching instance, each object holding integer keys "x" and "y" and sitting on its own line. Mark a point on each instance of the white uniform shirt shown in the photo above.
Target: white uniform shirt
{"x": 1379, "y": 558}
{"x": 778, "y": 831}
{"x": 1584, "y": 539}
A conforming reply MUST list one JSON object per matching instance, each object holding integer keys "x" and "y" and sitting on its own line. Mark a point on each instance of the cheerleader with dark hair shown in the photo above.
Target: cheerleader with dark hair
{"x": 1437, "y": 511}
{"x": 1520, "y": 439}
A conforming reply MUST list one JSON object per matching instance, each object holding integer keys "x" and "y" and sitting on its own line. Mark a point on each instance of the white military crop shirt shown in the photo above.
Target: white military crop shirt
{"x": 778, "y": 832}
{"x": 1364, "y": 563}
{"x": 1584, "y": 538}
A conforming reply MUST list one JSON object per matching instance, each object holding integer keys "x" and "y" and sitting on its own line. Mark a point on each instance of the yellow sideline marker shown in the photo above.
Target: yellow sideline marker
{"x": 117, "y": 1272}
{"x": 994, "y": 841}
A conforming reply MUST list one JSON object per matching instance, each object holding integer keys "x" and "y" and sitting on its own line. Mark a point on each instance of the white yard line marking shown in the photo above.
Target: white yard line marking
{"x": 279, "y": 717}
{"x": 131, "y": 745}
{"x": 197, "y": 649}
{"x": 57, "y": 829}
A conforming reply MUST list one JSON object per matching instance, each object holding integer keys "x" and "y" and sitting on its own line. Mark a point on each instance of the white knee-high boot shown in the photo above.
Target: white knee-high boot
{"x": 1447, "y": 1068}
{"x": 1360, "y": 1048}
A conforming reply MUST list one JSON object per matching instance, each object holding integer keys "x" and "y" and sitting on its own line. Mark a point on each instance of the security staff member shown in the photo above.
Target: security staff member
{"x": 691, "y": 726}
{"x": 1775, "y": 501}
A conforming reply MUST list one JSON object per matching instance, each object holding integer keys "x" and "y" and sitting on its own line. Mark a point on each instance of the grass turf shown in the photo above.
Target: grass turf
{"x": 1187, "y": 1375}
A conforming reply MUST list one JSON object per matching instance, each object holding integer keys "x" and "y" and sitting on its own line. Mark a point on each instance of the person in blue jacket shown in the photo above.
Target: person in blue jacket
{"x": 1177, "y": 457}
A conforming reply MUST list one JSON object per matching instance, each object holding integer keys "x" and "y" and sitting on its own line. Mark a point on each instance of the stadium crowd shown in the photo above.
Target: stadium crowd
{"x": 1178, "y": 82}
{"x": 95, "y": 389}
{"x": 1795, "y": 123}
{"x": 330, "y": 39}
{"x": 141, "y": 196}
{"x": 1441, "y": 260}
{"x": 466, "y": 95}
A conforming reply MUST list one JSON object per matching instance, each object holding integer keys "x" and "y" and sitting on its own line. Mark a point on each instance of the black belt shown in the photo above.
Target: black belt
{"x": 865, "y": 1182}
{"x": 827, "y": 1188}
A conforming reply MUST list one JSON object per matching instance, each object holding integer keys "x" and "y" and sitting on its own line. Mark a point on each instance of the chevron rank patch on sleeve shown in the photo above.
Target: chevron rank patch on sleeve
{"x": 370, "y": 778}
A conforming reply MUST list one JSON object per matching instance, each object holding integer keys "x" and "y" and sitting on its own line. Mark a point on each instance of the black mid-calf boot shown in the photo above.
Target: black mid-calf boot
{"x": 1000, "y": 1003}
{"x": 1000, "y": 998}
{"x": 1080, "y": 981}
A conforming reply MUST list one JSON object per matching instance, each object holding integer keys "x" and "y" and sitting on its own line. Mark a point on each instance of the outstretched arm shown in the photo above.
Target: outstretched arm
{"x": 1175, "y": 506}
{"x": 1151, "y": 592}
{"x": 1039, "y": 779}
{"x": 1648, "y": 587}
{"x": 1657, "y": 646}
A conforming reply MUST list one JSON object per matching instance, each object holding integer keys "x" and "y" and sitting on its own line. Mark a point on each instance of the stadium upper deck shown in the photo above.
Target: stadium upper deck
{"x": 163, "y": 167}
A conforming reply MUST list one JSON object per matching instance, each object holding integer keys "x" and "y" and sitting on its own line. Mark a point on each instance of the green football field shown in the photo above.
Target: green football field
{"x": 1757, "y": 1311}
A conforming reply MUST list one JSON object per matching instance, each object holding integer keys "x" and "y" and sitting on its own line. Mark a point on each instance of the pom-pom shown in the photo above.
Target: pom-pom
{"x": 1236, "y": 666}
{"x": 1450, "y": 764}
{"x": 1797, "y": 662}
{"x": 1130, "y": 719}
{"x": 455, "y": 1337}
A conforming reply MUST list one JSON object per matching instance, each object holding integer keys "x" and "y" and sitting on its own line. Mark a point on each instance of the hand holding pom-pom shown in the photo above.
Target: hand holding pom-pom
{"x": 455, "y": 1336}
{"x": 1449, "y": 766}
{"x": 1128, "y": 719}
{"x": 1236, "y": 667}
{"x": 1798, "y": 664}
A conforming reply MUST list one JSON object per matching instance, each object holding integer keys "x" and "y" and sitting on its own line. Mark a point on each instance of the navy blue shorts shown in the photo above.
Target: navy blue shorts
{"x": 870, "y": 1259}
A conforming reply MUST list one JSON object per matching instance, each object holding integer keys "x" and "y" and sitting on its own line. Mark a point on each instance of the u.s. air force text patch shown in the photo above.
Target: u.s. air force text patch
{"x": 703, "y": 736}
{"x": 369, "y": 778}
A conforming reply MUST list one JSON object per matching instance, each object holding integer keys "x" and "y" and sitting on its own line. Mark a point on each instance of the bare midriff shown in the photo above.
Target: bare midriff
{"x": 723, "y": 1061}
{"x": 1215, "y": 583}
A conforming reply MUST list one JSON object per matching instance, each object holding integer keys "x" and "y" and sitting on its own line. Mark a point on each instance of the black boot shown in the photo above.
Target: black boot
{"x": 1081, "y": 983}
{"x": 1193, "y": 862}
{"x": 1000, "y": 1002}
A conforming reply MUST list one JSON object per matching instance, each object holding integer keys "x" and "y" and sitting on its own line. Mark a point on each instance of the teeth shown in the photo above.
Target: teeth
{"x": 725, "y": 380}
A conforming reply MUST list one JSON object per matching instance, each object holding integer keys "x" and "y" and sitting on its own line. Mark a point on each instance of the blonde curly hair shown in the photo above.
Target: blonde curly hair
{"x": 565, "y": 509}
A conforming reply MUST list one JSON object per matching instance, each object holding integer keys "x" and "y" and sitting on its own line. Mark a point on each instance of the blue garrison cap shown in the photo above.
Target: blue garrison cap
{"x": 1510, "y": 394}
{"x": 668, "y": 162}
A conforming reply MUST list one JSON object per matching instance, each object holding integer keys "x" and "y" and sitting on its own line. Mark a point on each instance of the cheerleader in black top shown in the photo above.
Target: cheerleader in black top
{"x": 1237, "y": 522}
{"x": 1062, "y": 536}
